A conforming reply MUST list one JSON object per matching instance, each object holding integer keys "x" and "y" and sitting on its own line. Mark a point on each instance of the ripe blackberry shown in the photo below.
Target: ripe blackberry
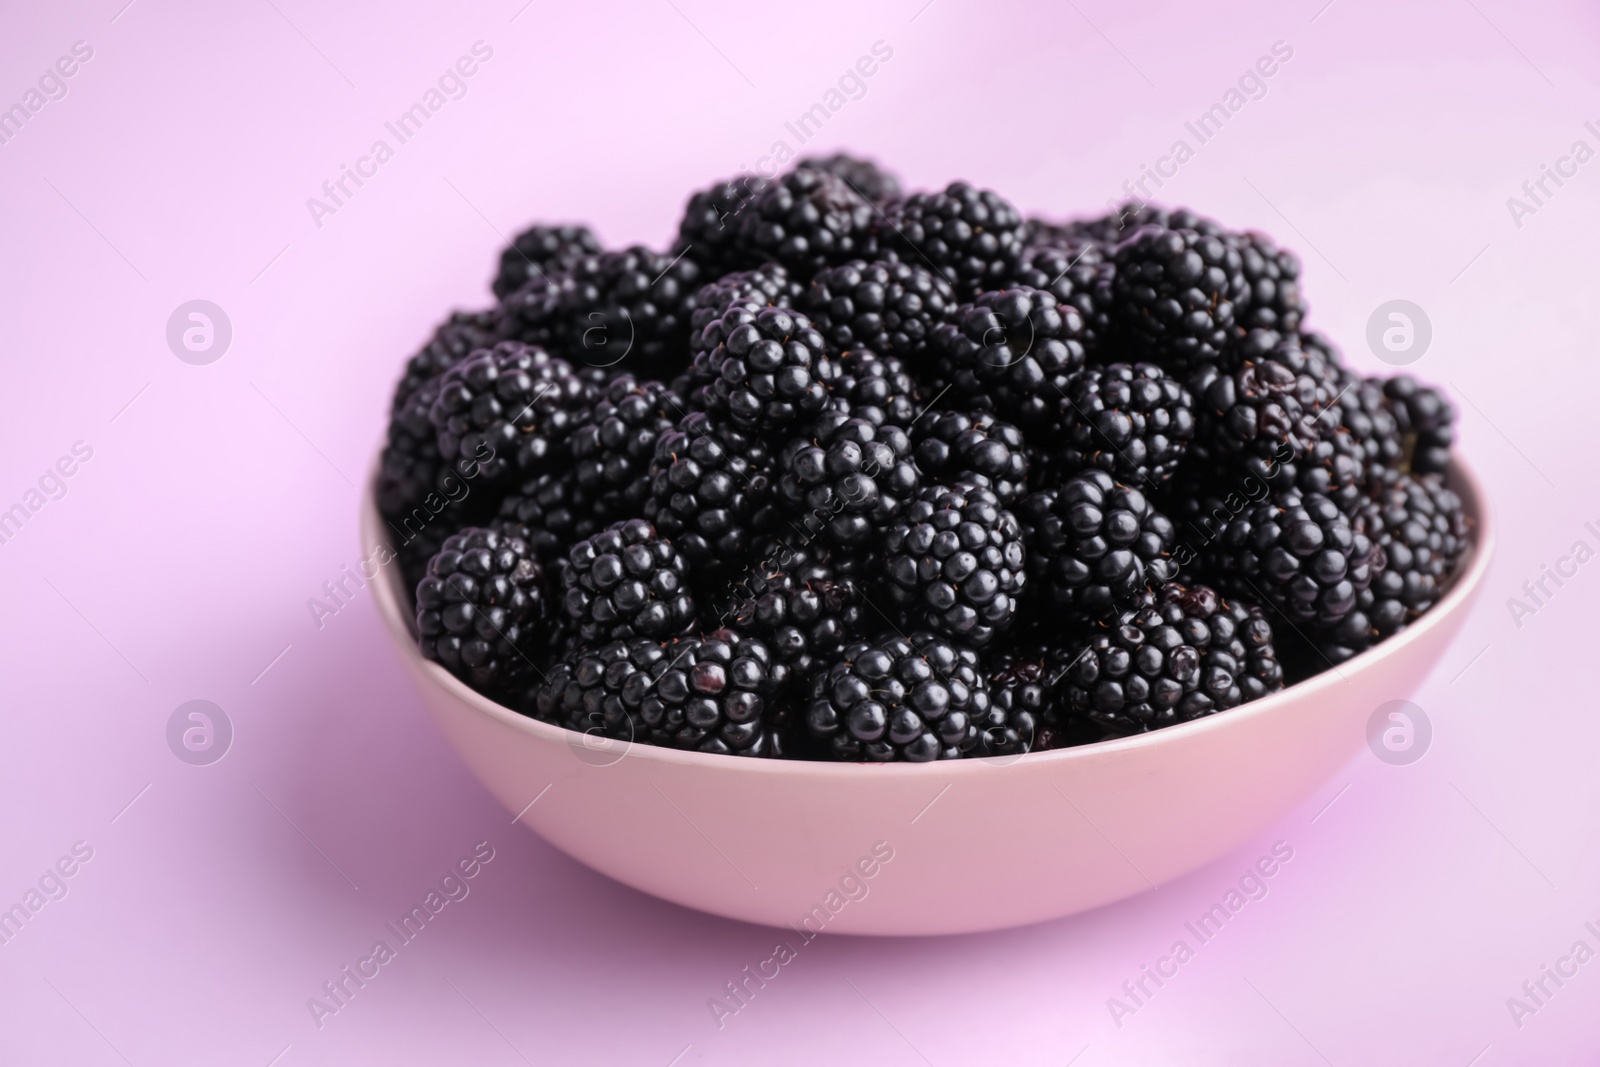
{"x": 847, "y": 478}
{"x": 807, "y": 220}
{"x": 410, "y": 466}
{"x": 483, "y": 610}
{"x": 1364, "y": 413}
{"x": 613, "y": 448}
{"x": 516, "y": 400}
{"x": 1427, "y": 423}
{"x": 1012, "y": 351}
{"x": 766, "y": 371}
{"x": 1176, "y": 294}
{"x": 1267, "y": 394}
{"x": 876, "y": 388}
{"x": 625, "y": 582}
{"x": 899, "y": 698}
{"x": 1024, "y": 698}
{"x": 1421, "y": 528}
{"x": 709, "y": 487}
{"x": 952, "y": 445}
{"x": 1077, "y": 271}
{"x": 1128, "y": 419}
{"x": 1187, "y": 655}
{"x": 462, "y": 334}
{"x": 887, "y": 306}
{"x": 711, "y": 222}
{"x": 768, "y": 285}
{"x": 863, "y": 175}
{"x": 803, "y": 600}
{"x": 970, "y": 236}
{"x": 953, "y": 563}
{"x": 1095, "y": 546}
{"x": 1273, "y": 276}
{"x": 630, "y": 310}
{"x": 550, "y": 513}
{"x": 1300, "y": 553}
{"x": 540, "y": 250}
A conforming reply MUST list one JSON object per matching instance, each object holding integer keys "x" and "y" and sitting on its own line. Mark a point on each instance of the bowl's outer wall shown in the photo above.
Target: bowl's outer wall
{"x": 976, "y": 845}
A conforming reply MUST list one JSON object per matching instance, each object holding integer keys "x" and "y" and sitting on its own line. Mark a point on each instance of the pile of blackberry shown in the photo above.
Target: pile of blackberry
{"x": 852, "y": 472}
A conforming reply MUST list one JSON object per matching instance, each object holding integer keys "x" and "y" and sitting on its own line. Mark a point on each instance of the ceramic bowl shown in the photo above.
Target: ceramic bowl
{"x": 936, "y": 848}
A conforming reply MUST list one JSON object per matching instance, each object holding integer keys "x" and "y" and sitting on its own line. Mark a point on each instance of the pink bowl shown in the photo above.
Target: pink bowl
{"x": 938, "y": 848}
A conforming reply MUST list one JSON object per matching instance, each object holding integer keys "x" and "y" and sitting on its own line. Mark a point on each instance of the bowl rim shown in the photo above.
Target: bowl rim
{"x": 1470, "y": 574}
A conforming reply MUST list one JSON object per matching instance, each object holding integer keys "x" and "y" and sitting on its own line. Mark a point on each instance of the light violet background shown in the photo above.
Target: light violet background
{"x": 219, "y": 498}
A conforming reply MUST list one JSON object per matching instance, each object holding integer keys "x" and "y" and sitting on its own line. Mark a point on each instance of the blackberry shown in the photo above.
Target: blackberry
{"x": 1095, "y": 546}
{"x": 1012, "y": 351}
{"x": 613, "y": 448}
{"x": 1024, "y": 698}
{"x": 540, "y": 250}
{"x": 876, "y": 388}
{"x": 805, "y": 601}
{"x": 1268, "y": 395}
{"x": 711, "y": 222}
{"x": 768, "y": 285}
{"x": 1421, "y": 528}
{"x": 550, "y": 513}
{"x": 598, "y": 689}
{"x": 1365, "y": 415}
{"x": 624, "y": 582}
{"x": 1299, "y": 552}
{"x": 1427, "y": 423}
{"x": 483, "y": 610}
{"x": 805, "y": 220}
{"x": 1273, "y": 277}
{"x": 462, "y": 334}
{"x": 970, "y": 236}
{"x": 887, "y": 306}
{"x": 1187, "y": 655}
{"x": 1076, "y": 271}
{"x": 954, "y": 563}
{"x": 847, "y": 477}
{"x": 1114, "y": 227}
{"x": 869, "y": 180}
{"x": 914, "y": 698}
{"x": 766, "y": 370}
{"x": 630, "y": 310}
{"x": 952, "y": 445}
{"x": 710, "y": 485}
{"x": 515, "y": 400}
{"x": 1128, "y": 419}
{"x": 410, "y": 466}
{"x": 1176, "y": 293}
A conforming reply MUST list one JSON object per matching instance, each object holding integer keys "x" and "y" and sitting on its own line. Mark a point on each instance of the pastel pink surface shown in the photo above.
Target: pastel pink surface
{"x": 219, "y": 499}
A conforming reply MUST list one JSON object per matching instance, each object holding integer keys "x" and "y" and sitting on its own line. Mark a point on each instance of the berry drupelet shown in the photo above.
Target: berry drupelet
{"x": 626, "y": 582}
{"x": 540, "y": 250}
{"x": 914, "y": 698}
{"x": 1128, "y": 419}
{"x": 483, "y": 610}
{"x": 971, "y": 236}
{"x": 1095, "y": 546}
{"x": 953, "y": 563}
